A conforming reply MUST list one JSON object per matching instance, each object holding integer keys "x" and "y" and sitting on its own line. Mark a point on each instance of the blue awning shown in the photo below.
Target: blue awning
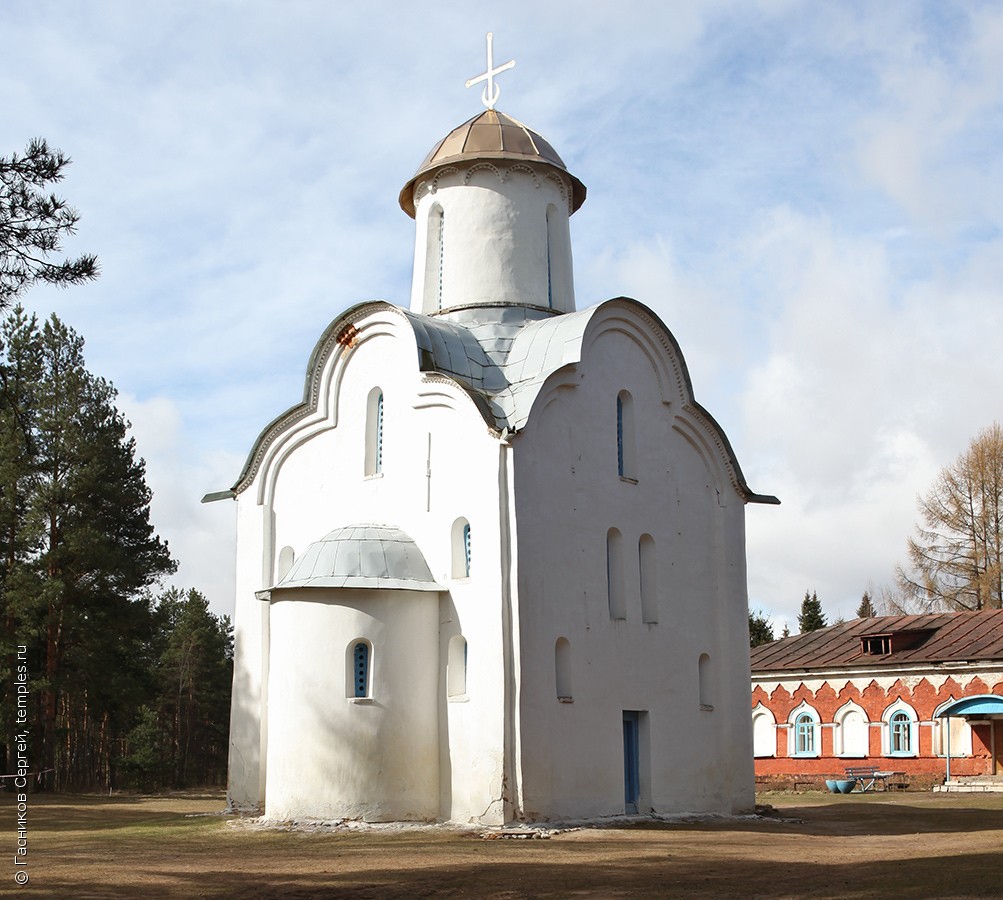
{"x": 981, "y": 705}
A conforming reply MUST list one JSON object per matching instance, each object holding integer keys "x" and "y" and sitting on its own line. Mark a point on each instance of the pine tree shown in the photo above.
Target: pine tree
{"x": 811, "y": 617}
{"x": 33, "y": 223}
{"x": 194, "y": 671}
{"x": 866, "y": 609}
{"x": 760, "y": 629}
{"x": 20, "y": 366}
{"x": 80, "y": 550}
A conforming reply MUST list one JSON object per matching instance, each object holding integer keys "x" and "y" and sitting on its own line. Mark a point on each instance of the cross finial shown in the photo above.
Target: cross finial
{"x": 489, "y": 95}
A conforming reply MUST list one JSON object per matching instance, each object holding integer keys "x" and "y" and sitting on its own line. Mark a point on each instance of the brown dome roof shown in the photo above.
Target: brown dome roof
{"x": 490, "y": 135}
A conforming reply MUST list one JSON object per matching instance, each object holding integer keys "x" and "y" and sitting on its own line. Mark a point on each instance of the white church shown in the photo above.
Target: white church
{"x": 491, "y": 569}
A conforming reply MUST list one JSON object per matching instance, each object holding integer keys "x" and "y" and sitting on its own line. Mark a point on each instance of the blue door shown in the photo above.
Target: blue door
{"x": 631, "y": 761}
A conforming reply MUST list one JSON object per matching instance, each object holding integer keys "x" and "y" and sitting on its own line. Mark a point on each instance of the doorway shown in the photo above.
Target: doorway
{"x": 632, "y": 762}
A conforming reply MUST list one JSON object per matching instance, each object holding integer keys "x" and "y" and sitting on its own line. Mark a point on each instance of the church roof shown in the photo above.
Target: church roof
{"x": 501, "y": 355}
{"x": 362, "y": 556}
{"x": 490, "y": 135}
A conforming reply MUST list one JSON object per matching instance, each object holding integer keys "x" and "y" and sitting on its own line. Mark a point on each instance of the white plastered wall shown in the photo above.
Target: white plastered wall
{"x": 495, "y": 243}
{"x": 568, "y": 494}
{"x": 332, "y": 755}
{"x": 440, "y": 462}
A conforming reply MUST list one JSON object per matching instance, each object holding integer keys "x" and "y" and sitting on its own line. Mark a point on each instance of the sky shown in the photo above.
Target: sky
{"x": 809, "y": 194}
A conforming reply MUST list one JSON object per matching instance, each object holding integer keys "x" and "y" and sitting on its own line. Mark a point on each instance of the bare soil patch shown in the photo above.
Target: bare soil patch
{"x": 905, "y": 845}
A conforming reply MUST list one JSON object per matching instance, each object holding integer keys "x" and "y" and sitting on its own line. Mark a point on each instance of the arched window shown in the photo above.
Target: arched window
{"x": 562, "y": 665}
{"x": 900, "y": 730}
{"x": 764, "y": 732}
{"x": 648, "y": 565}
{"x": 804, "y": 732}
{"x": 901, "y": 733}
{"x": 705, "y": 677}
{"x": 434, "y": 258}
{"x": 456, "y": 667}
{"x": 286, "y": 559}
{"x": 626, "y": 463}
{"x": 550, "y": 257}
{"x": 850, "y": 737}
{"x": 460, "y": 540}
{"x": 374, "y": 432}
{"x": 614, "y": 575}
{"x": 359, "y": 669}
{"x": 804, "y": 735}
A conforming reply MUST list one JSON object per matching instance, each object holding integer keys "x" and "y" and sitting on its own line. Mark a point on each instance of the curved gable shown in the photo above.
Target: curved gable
{"x": 552, "y": 347}
{"x": 439, "y": 348}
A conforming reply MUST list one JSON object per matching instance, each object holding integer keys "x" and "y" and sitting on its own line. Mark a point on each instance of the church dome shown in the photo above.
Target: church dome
{"x": 362, "y": 556}
{"x": 490, "y": 135}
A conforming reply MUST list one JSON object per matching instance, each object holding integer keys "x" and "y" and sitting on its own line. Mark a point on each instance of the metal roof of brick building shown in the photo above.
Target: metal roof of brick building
{"x": 931, "y": 638}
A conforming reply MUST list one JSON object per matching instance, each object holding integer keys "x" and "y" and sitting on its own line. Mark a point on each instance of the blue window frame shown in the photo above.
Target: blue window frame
{"x": 804, "y": 735}
{"x": 900, "y": 726}
{"x": 619, "y": 436}
{"x": 361, "y": 669}
{"x": 466, "y": 549}
{"x": 379, "y": 433}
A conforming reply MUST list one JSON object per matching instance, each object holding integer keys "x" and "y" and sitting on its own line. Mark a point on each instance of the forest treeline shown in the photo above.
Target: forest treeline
{"x": 125, "y": 688}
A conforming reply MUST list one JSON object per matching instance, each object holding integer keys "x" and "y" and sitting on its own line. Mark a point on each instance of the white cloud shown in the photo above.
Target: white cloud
{"x": 808, "y": 194}
{"x": 201, "y": 536}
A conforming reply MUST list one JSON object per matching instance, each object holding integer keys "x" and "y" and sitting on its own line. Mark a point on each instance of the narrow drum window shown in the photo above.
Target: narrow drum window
{"x": 614, "y": 575}
{"x": 360, "y": 669}
{"x": 434, "y": 255}
{"x": 374, "y": 432}
{"x": 550, "y": 263}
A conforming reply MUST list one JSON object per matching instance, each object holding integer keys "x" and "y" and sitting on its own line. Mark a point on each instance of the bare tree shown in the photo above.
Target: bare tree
{"x": 956, "y": 558}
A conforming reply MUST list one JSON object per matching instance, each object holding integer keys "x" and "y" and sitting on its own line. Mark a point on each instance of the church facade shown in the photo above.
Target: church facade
{"x": 492, "y": 567}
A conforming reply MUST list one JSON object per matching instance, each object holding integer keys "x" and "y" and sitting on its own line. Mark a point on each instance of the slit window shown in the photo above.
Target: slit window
{"x": 360, "y": 669}
{"x": 626, "y": 464}
{"x": 460, "y": 540}
{"x": 562, "y": 666}
{"x": 648, "y": 565}
{"x": 614, "y": 575}
{"x": 374, "y": 433}
{"x": 456, "y": 667}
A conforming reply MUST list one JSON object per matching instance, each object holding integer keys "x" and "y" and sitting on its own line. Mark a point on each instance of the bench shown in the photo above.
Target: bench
{"x": 869, "y": 777}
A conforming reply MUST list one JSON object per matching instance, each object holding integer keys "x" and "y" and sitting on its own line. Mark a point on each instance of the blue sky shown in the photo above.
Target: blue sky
{"x": 809, "y": 194}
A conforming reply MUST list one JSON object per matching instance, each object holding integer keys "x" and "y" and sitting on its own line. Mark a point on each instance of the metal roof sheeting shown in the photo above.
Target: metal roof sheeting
{"x": 950, "y": 637}
{"x": 490, "y": 135}
{"x": 362, "y": 556}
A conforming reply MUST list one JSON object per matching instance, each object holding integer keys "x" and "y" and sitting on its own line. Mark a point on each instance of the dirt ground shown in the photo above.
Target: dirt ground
{"x": 901, "y": 845}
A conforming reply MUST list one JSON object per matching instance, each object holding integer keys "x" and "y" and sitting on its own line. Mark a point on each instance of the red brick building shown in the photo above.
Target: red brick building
{"x": 881, "y": 692}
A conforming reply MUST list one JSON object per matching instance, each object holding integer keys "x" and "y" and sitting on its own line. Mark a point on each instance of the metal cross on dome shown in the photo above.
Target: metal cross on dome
{"x": 489, "y": 96}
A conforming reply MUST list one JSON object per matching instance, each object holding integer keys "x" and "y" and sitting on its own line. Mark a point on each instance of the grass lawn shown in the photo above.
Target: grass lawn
{"x": 901, "y": 845}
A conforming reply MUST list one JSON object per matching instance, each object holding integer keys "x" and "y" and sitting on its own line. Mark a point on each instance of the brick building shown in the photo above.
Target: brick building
{"x": 910, "y": 694}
